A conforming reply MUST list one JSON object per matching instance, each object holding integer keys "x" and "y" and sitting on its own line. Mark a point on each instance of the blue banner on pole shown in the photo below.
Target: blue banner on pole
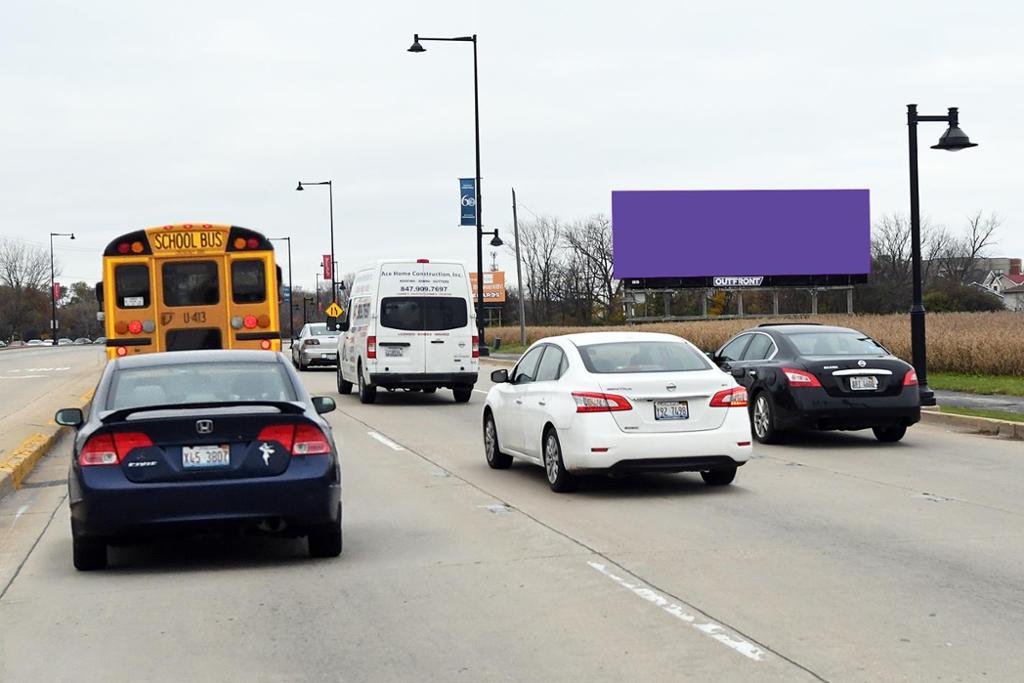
{"x": 467, "y": 197}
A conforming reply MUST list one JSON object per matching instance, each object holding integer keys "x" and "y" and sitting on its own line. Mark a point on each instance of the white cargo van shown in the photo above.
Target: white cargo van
{"x": 409, "y": 325}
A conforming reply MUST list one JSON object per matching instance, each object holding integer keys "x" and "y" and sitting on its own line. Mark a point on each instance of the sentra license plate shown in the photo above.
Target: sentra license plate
{"x": 868, "y": 383}
{"x": 671, "y": 410}
{"x": 205, "y": 456}
{"x": 392, "y": 351}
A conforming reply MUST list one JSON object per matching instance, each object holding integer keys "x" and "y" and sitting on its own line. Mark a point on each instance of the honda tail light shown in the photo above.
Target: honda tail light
{"x": 371, "y": 347}
{"x": 730, "y": 398}
{"x": 110, "y": 449}
{"x": 799, "y": 378}
{"x": 301, "y": 439}
{"x": 309, "y": 440}
{"x": 910, "y": 379}
{"x": 594, "y": 402}
{"x": 476, "y": 346}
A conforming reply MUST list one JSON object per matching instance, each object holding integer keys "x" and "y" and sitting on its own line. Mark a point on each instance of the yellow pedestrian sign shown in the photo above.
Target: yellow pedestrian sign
{"x": 334, "y": 310}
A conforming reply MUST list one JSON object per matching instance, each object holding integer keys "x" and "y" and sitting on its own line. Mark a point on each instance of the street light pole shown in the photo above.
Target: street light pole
{"x": 952, "y": 140}
{"x": 416, "y": 47}
{"x": 291, "y": 316}
{"x": 330, "y": 198}
{"x": 519, "y": 273}
{"x": 53, "y": 294}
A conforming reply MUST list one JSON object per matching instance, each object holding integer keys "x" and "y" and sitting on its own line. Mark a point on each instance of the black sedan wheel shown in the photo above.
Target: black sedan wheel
{"x": 889, "y": 434}
{"x": 762, "y": 420}
{"x": 326, "y": 541}
{"x": 88, "y": 554}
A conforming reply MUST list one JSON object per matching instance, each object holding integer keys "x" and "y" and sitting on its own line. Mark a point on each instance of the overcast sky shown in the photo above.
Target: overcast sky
{"x": 123, "y": 115}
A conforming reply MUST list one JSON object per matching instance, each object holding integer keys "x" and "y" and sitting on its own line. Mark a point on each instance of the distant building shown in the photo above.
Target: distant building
{"x": 1004, "y": 279}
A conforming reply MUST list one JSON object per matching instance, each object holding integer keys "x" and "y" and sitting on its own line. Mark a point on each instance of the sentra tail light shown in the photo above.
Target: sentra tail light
{"x": 595, "y": 402}
{"x": 371, "y": 347}
{"x": 730, "y": 398}
{"x": 799, "y": 378}
{"x": 476, "y": 346}
{"x": 301, "y": 439}
{"x": 910, "y": 379}
{"x": 110, "y": 449}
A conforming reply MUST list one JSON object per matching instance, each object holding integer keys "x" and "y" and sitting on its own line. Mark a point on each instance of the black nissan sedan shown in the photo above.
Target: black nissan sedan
{"x": 198, "y": 441}
{"x": 807, "y": 376}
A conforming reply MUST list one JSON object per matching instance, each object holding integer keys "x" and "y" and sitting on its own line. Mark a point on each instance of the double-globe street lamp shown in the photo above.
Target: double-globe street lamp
{"x": 953, "y": 140}
{"x": 291, "y": 315}
{"x": 330, "y": 195}
{"x": 496, "y": 242}
{"x": 53, "y": 292}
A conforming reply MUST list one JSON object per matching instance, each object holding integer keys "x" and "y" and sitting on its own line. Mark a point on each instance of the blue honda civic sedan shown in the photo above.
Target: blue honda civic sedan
{"x": 196, "y": 441}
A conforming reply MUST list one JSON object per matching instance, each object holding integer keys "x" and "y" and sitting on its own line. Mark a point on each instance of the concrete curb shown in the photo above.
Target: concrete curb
{"x": 20, "y": 463}
{"x": 976, "y": 425}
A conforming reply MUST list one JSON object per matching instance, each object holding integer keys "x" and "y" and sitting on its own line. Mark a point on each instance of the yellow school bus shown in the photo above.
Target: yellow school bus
{"x": 190, "y": 286}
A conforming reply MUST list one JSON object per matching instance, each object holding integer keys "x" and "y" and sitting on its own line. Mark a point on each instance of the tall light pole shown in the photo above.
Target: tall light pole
{"x": 952, "y": 140}
{"x": 416, "y": 47}
{"x": 317, "y": 290}
{"x": 519, "y": 273}
{"x": 330, "y": 197}
{"x": 53, "y": 294}
{"x": 291, "y": 317}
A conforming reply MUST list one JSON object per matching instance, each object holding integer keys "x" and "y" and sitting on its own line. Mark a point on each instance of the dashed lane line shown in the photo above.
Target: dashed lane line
{"x": 386, "y": 441}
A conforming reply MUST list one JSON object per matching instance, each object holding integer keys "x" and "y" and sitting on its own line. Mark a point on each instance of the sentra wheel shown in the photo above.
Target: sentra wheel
{"x": 495, "y": 458}
{"x": 762, "y": 420}
{"x": 558, "y": 477}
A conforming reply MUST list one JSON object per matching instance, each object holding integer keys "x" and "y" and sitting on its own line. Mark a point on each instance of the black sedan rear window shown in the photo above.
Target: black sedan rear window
{"x": 653, "y": 356}
{"x": 836, "y": 344}
{"x": 199, "y": 383}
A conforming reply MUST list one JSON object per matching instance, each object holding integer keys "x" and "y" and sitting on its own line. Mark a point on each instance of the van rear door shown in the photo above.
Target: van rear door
{"x": 449, "y": 347}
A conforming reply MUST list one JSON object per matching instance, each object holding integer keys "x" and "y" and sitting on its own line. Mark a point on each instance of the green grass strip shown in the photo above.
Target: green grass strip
{"x": 976, "y": 412}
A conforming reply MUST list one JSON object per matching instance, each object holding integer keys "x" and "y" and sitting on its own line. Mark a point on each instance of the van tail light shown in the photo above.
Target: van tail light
{"x": 110, "y": 449}
{"x": 476, "y": 346}
{"x": 799, "y": 378}
{"x": 594, "y": 402}
{"x": 301, "y": 439}
{"x": 371, "y": 347}
{"x": 910, "y": 379}
{"x": 730, "y": 398}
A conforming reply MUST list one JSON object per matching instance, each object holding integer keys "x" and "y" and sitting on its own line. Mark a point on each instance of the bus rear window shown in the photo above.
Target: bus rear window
{"x": 248, "y": 282}
{"x": 131, "y": 286}
{"x": 190, "y": 283}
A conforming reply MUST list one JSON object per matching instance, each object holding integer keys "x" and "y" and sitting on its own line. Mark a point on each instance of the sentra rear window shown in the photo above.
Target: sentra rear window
{"x": 836, "y": 344}
{"x": 642, "y": 356}
{"x": 167, "y": 385}
{"x": 424, "y": 313}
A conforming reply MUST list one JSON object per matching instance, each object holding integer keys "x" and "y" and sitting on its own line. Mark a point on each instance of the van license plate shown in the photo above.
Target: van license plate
{"x": 868, "y": 383}
{"x": 392, "y": 351}
{"x": 671, "y": 410}
{"x": 196, "y": 457}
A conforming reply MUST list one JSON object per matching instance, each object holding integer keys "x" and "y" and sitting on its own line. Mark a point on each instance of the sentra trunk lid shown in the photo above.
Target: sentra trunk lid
{"x": 667, "y": 402}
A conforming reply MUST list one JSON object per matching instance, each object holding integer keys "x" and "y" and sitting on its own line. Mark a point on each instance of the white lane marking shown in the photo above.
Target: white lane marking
{"x": 716, "y": 631}
{"x": 24, "y": 377}
{"x": 386, "y": 441}
{"x": 18, "y": 514}
{"x": 480, "y": 391}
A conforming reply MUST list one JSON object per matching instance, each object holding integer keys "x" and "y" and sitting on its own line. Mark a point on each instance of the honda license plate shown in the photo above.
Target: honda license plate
{"x": 671, "y": 410}
{"x": 392, "y": 351}
{"x": 867, "y": 383}
{"x": 197, "y": 457}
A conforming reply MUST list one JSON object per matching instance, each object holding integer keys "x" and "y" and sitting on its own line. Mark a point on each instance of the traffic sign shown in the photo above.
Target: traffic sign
{"x": 334, "y": 310}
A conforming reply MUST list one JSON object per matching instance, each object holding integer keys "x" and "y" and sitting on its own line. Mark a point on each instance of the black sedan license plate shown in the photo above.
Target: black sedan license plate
{"x": 671, "y": 410}
{"x": 198, "y": 457}
{"x": 866, "y": 383}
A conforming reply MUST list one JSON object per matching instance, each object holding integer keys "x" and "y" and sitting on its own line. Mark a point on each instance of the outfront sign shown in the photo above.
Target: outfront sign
{"x": 467, "y": 198}
{"x": 748, "y": 281}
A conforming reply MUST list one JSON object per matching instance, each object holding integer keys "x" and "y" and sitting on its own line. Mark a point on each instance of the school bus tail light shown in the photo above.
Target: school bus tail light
{"x": 122, "y": 350}
{"x": 249, "y": 322}
{"x": 135, "y": 327}
{"x": 265, "y": 344}
{"x": 263, "y": 321}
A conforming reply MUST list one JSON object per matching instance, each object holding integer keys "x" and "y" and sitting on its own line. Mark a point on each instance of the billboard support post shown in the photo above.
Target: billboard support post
{"x": 952, "y": 140}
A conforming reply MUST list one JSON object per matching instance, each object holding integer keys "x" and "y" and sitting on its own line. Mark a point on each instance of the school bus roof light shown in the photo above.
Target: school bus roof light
{"x": 137, "y": 247}
{"x": 252, "y": 243}
{"x": 123, "y": 248}
{"x": 239, "y": 243}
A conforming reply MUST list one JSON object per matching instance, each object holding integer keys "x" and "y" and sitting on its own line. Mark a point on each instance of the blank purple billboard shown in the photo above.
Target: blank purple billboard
{"x": 706, "y": 233}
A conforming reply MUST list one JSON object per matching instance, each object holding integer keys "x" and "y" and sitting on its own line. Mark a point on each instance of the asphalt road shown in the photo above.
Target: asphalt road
{"x": 832, "y": 557}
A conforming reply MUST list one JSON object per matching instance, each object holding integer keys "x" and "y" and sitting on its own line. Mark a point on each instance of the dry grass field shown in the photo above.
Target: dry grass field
{"x": 970, "y": 343}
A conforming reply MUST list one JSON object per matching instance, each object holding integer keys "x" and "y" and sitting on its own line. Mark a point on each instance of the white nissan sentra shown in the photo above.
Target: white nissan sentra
{"x": 617, "y": 402}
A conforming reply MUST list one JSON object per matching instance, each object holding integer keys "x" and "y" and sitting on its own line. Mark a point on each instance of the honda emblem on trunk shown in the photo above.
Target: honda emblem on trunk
{"x": 204, "y": 426}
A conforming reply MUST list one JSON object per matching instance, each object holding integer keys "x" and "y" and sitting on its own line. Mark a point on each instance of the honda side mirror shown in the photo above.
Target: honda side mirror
{"x": 69, "y": 417}
{"x": 324, "y": 404}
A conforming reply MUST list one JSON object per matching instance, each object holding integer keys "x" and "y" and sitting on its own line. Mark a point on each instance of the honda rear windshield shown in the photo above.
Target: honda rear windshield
{"x": 653, "y": 356}
{"x": 836, "y": 344}
{"x": 166, "y": 385}
{"x": 424, "y": 313}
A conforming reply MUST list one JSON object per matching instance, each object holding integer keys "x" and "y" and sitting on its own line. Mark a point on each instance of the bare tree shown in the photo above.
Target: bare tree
{"x": 539, "y": 243}
{"x": 965, "y": 251}
{"x": 24, "y": 270}
{"x": 592, "y": 240}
